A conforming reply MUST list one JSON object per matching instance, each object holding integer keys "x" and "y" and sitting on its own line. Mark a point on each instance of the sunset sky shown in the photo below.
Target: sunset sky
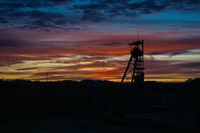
{"x": 87, "y": 39}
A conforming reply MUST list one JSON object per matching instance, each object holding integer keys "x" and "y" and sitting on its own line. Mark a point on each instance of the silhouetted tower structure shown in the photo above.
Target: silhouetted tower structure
{"x": 135, "y": 65}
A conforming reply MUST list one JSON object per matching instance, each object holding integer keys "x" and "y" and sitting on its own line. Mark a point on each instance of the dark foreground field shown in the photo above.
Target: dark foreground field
{"x": 99, "y": 107}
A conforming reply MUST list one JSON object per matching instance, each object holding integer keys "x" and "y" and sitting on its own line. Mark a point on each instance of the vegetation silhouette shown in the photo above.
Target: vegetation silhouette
{"x": 164, "y": 106}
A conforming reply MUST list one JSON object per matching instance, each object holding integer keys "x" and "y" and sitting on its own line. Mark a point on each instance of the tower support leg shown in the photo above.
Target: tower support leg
{"x": 129, "y": 62}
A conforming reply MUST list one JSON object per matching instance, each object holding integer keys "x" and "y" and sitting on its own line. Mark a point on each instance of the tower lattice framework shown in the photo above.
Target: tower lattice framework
{"x": 134, "y": 71}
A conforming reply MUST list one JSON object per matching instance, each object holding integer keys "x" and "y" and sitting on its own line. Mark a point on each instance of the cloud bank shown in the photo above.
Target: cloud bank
{"x": 72, "y": 14}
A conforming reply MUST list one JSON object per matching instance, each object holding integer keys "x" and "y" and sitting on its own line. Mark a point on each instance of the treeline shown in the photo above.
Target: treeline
{"x": 20, "y": 98}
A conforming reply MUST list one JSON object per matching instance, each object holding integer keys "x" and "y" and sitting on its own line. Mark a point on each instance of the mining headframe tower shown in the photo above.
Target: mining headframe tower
{"x": 135, "y": 67}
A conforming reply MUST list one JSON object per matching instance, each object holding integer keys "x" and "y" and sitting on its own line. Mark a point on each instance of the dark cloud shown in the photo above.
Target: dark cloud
{"x": 12, "y": 73}
{"x": 9, "y": 43}
{"x": 155, "y": 53}
{"x": 189, "y": 65}
{"x": 172, "y": 67}
{"x": 31, "y": 3}
{"x": 111, "y": 44}
{"x": 24, "y": 69}
{"x": 40, "y": 14}
{"x": 92, "y": 15}
{"x": 148, "y": 6}
{"x": 189, "y": 39}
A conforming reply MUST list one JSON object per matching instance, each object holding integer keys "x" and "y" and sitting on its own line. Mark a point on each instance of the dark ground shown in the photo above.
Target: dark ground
{"x": 99, "y": 107}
